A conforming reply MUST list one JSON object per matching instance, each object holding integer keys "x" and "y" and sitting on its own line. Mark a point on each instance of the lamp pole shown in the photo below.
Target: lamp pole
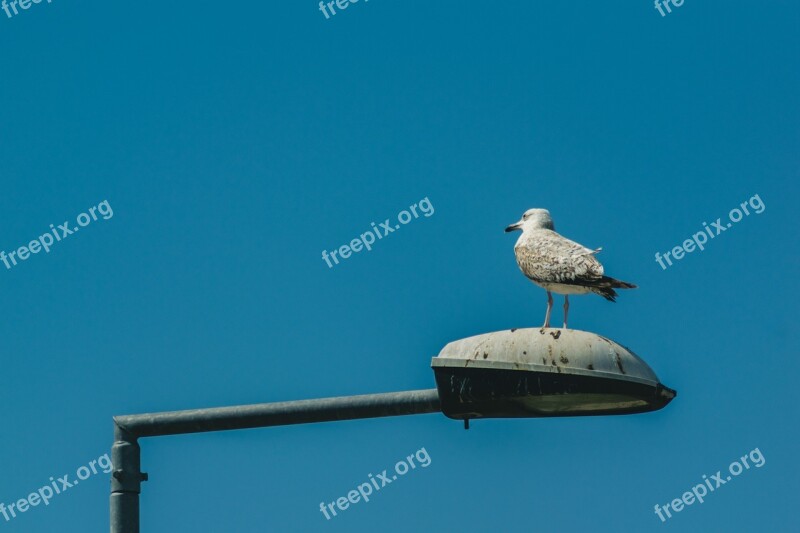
{"x": 127, "y": 477}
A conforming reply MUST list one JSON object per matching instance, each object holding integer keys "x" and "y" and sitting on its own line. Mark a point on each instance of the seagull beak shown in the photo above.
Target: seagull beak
{"x": 514, "y": 226}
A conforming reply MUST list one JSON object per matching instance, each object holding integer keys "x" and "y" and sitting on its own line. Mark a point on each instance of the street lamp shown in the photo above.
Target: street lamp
{"x": 542, "y": 373}
{"x": 504, "y": 374}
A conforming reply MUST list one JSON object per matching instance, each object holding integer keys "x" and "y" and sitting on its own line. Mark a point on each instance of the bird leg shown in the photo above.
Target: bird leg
{"x": 566, "y": 309}
{"x": 549, "y": 308}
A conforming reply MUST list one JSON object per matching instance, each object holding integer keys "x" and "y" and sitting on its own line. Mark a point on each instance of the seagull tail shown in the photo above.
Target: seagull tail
{"x": 607, "y": 285}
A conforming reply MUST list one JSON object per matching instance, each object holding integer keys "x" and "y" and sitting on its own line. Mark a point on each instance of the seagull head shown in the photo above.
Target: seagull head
{"x": 533, "y": 219}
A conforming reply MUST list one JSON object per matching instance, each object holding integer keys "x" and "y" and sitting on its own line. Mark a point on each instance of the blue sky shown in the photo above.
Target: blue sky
{"x": 237, "y": 141}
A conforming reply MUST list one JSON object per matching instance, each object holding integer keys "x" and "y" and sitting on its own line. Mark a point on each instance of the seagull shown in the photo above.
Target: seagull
{"x": 558, "y": 264}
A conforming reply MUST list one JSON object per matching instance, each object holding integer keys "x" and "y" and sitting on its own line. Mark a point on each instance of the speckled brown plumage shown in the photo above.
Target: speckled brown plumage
{"x": 558, "y": 264}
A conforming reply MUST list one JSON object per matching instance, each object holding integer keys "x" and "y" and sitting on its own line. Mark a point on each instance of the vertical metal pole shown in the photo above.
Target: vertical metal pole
{"x": 126, "y": 482}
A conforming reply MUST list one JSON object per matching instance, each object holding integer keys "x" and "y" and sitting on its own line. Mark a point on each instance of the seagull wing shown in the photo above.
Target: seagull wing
{"x": 548, "y": 257}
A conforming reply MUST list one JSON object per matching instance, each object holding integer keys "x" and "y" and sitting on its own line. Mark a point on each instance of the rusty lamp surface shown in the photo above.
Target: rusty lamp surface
{"x": 542, "y": 373}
